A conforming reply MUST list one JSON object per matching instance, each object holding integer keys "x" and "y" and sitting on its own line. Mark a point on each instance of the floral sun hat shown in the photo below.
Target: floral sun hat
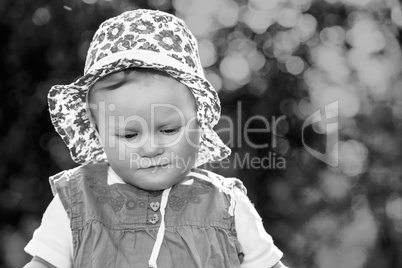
{"x": 139, "y": 38}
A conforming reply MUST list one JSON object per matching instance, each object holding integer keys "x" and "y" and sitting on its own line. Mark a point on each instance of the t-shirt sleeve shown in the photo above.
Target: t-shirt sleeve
{"x": 258, "y": 247}
{"x": 52, "y": 241}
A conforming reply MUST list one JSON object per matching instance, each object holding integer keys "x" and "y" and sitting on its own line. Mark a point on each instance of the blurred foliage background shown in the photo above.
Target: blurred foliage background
{"x": 268, "y": 57}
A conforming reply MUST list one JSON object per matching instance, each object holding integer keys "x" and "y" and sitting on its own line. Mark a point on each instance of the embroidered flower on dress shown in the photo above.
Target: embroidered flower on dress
{"x": 193, "y": 196}
{"x": 103, "y": 195}
{"x": 142, "y": 27}
{"x": 168, "y": 40}
{"x": 116, "y": 202}
{"x": 102, "y": 199}
{"x": 130, "y": 204}
{"x": 176, "y": 203}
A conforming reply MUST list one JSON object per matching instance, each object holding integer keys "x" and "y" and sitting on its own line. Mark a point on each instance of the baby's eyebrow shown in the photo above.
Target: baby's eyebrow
{"x": 169, "y": 117}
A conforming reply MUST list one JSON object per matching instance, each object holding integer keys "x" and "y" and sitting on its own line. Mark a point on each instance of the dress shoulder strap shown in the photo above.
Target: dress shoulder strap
{"x": 61, "y": 179}
{"x": 68, "y": 184}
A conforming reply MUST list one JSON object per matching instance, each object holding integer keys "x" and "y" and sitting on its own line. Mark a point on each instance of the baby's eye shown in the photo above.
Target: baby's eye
{"x": 129, "y": 136}
{"x": 170, "y": 131}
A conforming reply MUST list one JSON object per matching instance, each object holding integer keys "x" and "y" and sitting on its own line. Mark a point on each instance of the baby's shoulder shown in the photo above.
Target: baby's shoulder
{"x": 61, "y": 179}
{"x": 218, "y": 180}
{"x": 64, "y": 177}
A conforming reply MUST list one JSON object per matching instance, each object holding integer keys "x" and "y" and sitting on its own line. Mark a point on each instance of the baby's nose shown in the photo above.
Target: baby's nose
{"x": 150, "y": 148}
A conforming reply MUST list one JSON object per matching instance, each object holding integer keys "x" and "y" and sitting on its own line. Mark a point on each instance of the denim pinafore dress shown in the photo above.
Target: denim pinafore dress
{"x": 116, "y": 225}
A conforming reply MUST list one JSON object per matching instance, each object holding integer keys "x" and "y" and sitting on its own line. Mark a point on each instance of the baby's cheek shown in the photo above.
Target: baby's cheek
{"x": 124, "y": 150}
{"x": 168, "y": 141}
{"x": 123, "y": 160}
{"x": 193, "y": 138}
{"x": 114, "y": 149}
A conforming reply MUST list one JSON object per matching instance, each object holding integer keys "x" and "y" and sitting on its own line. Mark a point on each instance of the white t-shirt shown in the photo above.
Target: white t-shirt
{"x": 53, "y": 242}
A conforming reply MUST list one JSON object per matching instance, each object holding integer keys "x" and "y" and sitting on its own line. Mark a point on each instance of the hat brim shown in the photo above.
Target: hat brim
{"x": 68, "y": 106}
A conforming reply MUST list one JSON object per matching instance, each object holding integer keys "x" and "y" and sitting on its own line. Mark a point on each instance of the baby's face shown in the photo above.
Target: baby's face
{"x": 148, "y": 128}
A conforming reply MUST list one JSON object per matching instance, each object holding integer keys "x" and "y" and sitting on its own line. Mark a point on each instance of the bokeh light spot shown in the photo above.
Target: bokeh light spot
{"x": 288, "y": 17}
{"x": 333, "y": 35}
{"x": 235, "y": 68}
{"x": 332, "y": 60}
{"x": 357, "y": 2}
{"x": 365, "y": 36}
{"x": 352, "y": 157}
{"x": 394, "y": 207}
{"x": 256, "y": 60}
{"x": 207, "y": 52}
{"x": 335, "y": 186}
{"x": 41, "y": 16}
{"x": 199, "y": 25}
{"x": 214, "y": 79}
{"x": 295, "y": 65}
{"x": 228, "y": 14}
{"x": 282, "y": 146}
{"x": 264, "y": 5}
{"x": 258, "y": 21}
{"x": 349, "y": 104}
{"x": 90, "y": 2}
{"x": 306, "y": 27}
{"x": 160, "y": 4}
{"x": 396, "y": 15}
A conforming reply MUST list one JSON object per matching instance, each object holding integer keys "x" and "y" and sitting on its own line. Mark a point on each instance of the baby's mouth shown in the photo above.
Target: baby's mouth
{"x": 164, "y": 165}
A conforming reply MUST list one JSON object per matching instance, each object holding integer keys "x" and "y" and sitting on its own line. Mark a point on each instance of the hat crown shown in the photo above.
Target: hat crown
{"x": 147, "y": 30}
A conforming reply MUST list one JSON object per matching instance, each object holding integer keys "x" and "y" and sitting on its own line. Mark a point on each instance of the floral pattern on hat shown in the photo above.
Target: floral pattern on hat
{"x": 168, "y": 40}
{"x": 139, "y": 38}
{"x": 115, "y": 31}
{"x": 124, "y": 43}
{"x": 142, "y": 27}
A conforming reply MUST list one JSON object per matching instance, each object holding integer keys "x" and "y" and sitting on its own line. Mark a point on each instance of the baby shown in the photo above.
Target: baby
{"x": 139, "y": 122}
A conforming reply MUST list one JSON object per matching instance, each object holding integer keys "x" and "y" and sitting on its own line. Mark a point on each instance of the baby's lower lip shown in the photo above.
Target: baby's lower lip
{"x": 157, "y": 166}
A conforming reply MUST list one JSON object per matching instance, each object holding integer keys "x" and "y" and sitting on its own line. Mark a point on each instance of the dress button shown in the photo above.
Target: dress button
{"x": 154, "y": 218}
{"x": 154, "y": 206}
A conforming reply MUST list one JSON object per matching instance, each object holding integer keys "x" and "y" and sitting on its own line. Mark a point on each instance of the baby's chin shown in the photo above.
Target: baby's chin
{"x": 153, "y": 188}
{"x": 153, "y": 184}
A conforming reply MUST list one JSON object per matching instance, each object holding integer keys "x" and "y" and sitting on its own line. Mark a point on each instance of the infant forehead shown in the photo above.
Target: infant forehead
{"x": 134, "y": 90}
{"x": 120, "y": 78}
